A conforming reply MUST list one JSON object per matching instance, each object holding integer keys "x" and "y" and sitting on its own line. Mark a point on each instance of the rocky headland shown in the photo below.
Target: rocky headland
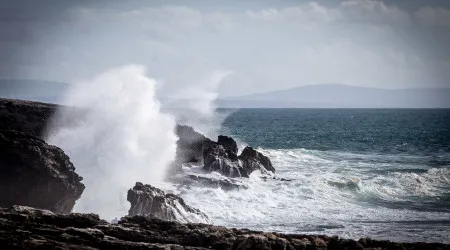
{"x": 33, "y": 173}
{"x": 39, "y": 187}
{"x": 29, "y": 228}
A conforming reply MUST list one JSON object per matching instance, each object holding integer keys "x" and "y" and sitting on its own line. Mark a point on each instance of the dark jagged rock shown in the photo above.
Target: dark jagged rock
{"x": 28, "y": 228}
{"x": 190, "y": 147}
{"x": 228, "y": 143}
{"x": 36, "y": 118}
{"x": 190, "y": 144}
{"x": 150, "y": 201}
{"x": 220, "y": 156}
{"x": 36, "y": 174}
{"x": 220, "y": 159}
{"x": 253, "y": 160}
{"x": 25, "y": 116}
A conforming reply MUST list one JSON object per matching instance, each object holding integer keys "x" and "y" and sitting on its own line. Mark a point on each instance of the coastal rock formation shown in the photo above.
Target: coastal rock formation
{"x": 228, "y": 143}
{"x": 28, "y": 228}
{"x": 190, "y": 144}
{"x": 220, "y": 159}
{"x": 35, "y": 118}
{"x": 221, "y": 156}
{"x": 253, "y": 160}
{"x": 224, "y": 159}
{"x": 25, "y": 116}
{"x": 36, "y": 174}
{"x": 150, "y": 201}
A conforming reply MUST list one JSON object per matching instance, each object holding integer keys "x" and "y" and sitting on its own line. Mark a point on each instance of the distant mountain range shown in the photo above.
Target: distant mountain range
{"x": 311, "y": 96}
{"x": 342, "y": 96}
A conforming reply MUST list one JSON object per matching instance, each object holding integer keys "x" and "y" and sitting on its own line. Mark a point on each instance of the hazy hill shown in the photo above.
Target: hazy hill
{"x": 312, "y": 96}
{"x": 342, "y": 96}
{"x": 34, "y": 90}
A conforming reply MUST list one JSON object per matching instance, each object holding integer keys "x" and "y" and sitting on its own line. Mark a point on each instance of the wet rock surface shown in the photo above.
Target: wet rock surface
{"x": 253, "y": 160}
{"x": 190, "y": 144}
{"x": 36, "y": 174}
{"x": 220, "y": 159}
{"x": 151, "y": 201}
{"x": 35, "y": 118}
{"x": 228, "y": 143}
{"x": 26, "y": 116}
{"x": 28, "y": 228}
{"x": 224, "y": 159}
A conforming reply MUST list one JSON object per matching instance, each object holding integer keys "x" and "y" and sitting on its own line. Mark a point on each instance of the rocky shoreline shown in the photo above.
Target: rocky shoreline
{"x": 28, "y": 228}
{"x": 39, "y": 187}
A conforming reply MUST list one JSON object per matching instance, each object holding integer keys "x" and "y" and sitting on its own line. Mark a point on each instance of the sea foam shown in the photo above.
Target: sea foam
{"x": 122, "y": 138}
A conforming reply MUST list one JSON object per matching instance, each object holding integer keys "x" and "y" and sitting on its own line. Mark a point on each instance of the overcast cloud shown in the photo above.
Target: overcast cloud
{"x": 267, "y": 45}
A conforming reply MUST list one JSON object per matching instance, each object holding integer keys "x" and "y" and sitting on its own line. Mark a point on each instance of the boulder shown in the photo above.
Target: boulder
{"x": 218, "y": 158}
{"x": 228, "y": 143}
{"x": 223, "y": 160}
{"x": 28, "y": 228}
{"x": 150, "y": 201}
{"x": 33, "y": 173}
{"x": 253, "y": 160}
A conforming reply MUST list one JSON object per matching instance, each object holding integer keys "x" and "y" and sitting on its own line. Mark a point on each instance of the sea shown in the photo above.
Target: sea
{"x": 354, "y": 173}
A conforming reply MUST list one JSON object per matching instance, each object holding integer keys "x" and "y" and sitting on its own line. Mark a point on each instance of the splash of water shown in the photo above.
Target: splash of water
{"x": 122, "y": 138}
{"x": 195, "y": 104}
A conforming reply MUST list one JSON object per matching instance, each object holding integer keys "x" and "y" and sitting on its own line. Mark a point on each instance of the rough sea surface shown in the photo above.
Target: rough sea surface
{"x": 355, "y": 173}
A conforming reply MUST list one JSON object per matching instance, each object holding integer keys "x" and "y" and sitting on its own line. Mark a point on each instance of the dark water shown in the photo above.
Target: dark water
{"x": 355, "y": 173}
{"x": 403, "y": 131}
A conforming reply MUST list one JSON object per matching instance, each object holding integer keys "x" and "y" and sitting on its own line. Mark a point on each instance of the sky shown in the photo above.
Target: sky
{"x": 257, "y": 46}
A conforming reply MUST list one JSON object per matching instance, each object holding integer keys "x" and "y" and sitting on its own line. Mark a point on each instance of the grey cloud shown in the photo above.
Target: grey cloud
{"x": 274, "y": 46}
{"x": 434, "y": 17}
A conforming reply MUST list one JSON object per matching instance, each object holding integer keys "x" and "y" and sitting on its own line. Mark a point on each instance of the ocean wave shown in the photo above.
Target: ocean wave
{"x": 328, "y": 194}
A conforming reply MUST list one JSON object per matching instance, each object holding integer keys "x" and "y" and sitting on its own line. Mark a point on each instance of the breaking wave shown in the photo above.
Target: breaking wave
{"x": 121, "y": 138}
{"x": 326, "y": 192}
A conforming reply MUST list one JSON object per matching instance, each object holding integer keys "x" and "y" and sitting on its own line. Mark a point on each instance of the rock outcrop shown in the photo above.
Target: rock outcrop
{"x": 147, "y": 200}
{"x": 28, "y": 228}
{"x": 190, "y": 144}
{"x": 190, "y": 147}
{"x": 26, "y": 116}
{"x": 253, "y": 160}
{"x": 36, "y": 174}
{"x": 220, "y": 159}
{"x": 36, "y": 118}
{"x": 228, "y": 143}
{"x": 223, "y": 158}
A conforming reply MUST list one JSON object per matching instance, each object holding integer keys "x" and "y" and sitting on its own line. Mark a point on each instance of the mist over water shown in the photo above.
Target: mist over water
{"x": 194, "y": 105}
{"x": 121, "y": 132}
{"x": 122, "y": 138}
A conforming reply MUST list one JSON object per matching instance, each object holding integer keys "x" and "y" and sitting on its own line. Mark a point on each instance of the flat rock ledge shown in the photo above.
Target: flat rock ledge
{"x": 29, "y": 228}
